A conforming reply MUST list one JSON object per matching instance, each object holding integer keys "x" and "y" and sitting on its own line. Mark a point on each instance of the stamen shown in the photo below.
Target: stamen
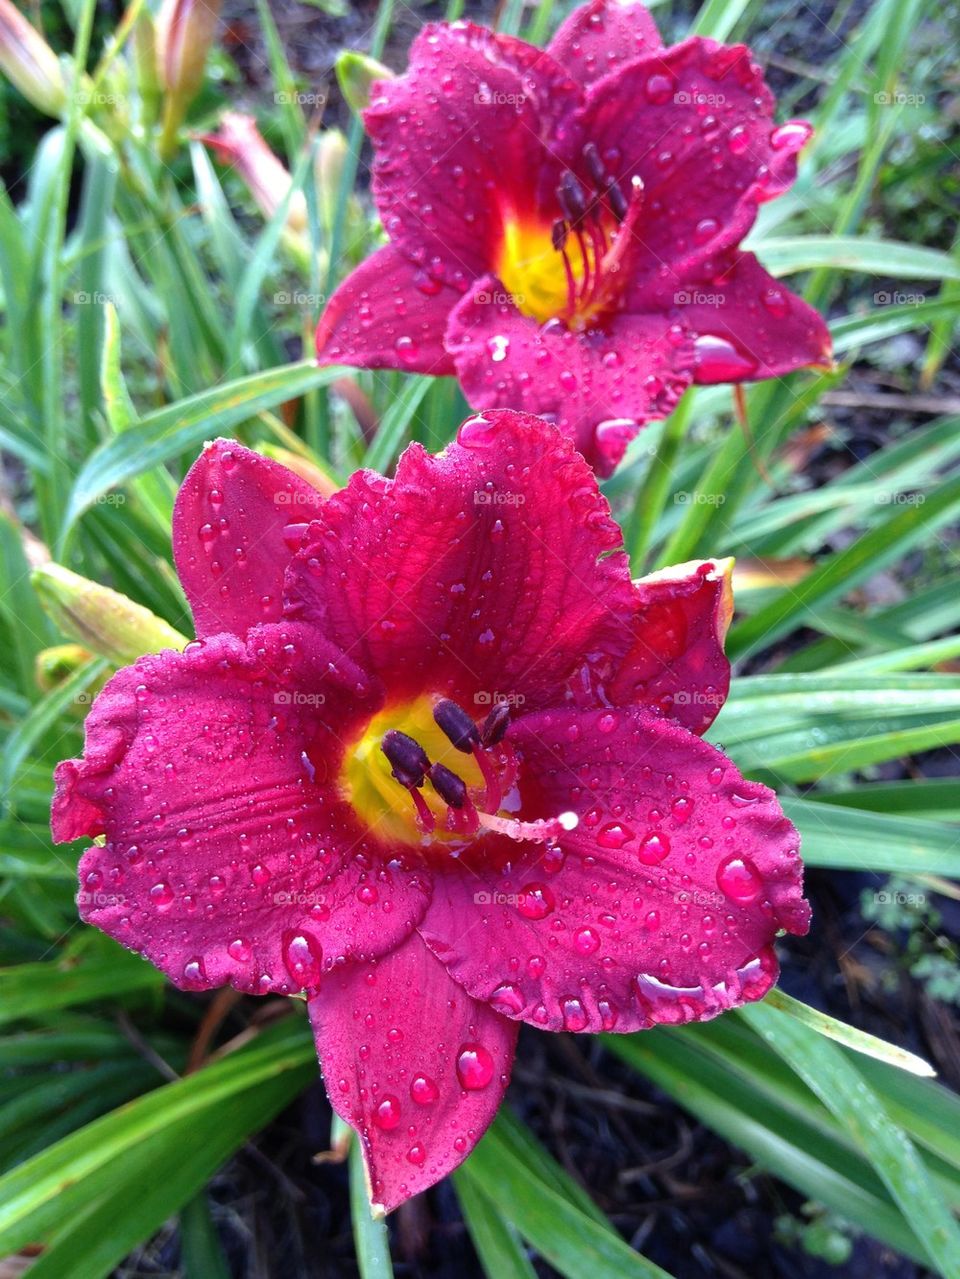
{"x": 424, "y": 816}
{"x": 491, "y": 800}
{"x": 495, "y": 725}
{"x": 540, "y": 830}
{"x": 595, "y": 165}
{"x": 558, "y": 235}
{"x": 571, "y": 199}
{"x": 454, "y": 721}
{"x": 408, "y": 760}
{"x": 616, "y": 200}
{"x": 451, "y": 788}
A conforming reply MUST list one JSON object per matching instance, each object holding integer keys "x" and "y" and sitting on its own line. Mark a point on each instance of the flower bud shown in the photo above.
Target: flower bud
{"x": 308, "y": 470}
{"x": 55, "y": 665}
{"x": 238, "y": 142}
{"x": 184, "y": 34}
{"x": 29, "y": 63}
{"x": 356, "y": 73}
{"x": 103, "y": 620}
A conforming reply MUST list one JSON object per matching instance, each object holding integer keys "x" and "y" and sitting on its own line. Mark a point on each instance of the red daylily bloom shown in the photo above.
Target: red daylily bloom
{"x": 564, "y": 225}
{"x": 454, "y": 784}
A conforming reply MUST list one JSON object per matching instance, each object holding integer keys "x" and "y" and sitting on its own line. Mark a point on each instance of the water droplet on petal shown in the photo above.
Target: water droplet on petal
{"x": 387, "y": 1113}
{"x": 739, "y": 879}
{"x": 474, "y": 1067}
{"x": 535, "y": 901}
{"x": 423, "y": 1090}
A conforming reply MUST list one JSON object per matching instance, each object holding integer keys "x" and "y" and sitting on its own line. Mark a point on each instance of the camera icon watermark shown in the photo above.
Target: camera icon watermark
{"x": 296, "y": 698}
{"x": 286, "y": 98}
{"x": 498, "y": 497}
{"x": 299, "y": 298}
{"x": 487, "y": 97}
{"x": 696, "y": 297}
{"x": 486, "y": 697}
{"x": 898, "y": 298}
{"x": 499, "y": 297}
{"x": 900, "y": 499}
{"x": 99, "y": 900}
{"x": 686, "y": 498}
{"x": 287, "y": 497}
{"x": 694, "y": 98}
{"x": 894, "y": 897}
{"x": 94, "y": 299}
{"x": 698, "y": 697}
{"x": 897, "y": 99}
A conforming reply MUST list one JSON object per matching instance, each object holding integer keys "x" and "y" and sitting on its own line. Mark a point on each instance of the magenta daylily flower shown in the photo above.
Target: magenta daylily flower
{"x": 434, "y": 762}
{"x": 564, "y": 225}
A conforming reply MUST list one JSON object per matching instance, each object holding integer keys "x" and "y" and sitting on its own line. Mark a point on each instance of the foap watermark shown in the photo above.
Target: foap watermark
{"x": 292, "y": 98}
{"x": 709, "y": 897}
{"x": 110, "y": 499}
{"x": 498, "y": 497}
{"x": 686, "y": 498}
{"x": 893, "y": 897}
{"x": 898, "y": 99}
{"x": 693, "y": 98}
{"x": 487, "y": 97}
{"x": 300, "y": 899}
{"x": 686, "y": 297}
{"x": 899, "y": 298}
{"x": 96, "y": 98}
{"x": 487, "y": 698}
{"x": 500, "y": 297}
{"x": 298, "y": 699}
{"x": 484, "y": 898}
{"x": 99, "y": 900}
{"x": 697, "y": 697}
{"x": 295, "y": 497}
{"x": 298, "y": 298}
{"x": 94, "y": 299}
{"x": 900, "y": 499}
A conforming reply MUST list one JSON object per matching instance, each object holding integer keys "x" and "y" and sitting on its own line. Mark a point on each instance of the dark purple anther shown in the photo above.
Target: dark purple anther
{"x": 451, "y": 788}
{"x": 558, "y": 235}
{"x": 594, "y": 165}
{"x": 457, "y": 724}
{"x": 495, "y": 725}
{"x": 617, "y": 200}
{"x": 408, "y": 759}
{"x": 572, "y": 201}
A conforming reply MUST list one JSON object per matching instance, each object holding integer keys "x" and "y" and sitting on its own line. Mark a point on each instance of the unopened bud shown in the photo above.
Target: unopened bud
{"x": 55, "y": 665}
{"x": 29, "y": 63}
{"x": 184, "y": 33}
{"x": 312, "y": 472}
{"x": 239, "y": 143}
{"x": 103, "y": 620}
{"x": 356, "y": 74}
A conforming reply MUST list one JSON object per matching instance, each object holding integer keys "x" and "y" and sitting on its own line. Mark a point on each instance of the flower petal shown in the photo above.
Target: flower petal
{"x": 695, "y": 123}
{"x": 229, "y": 855}
{"x": 413, "y": 1063}
{"x": 749, "y": 326}
{"x": 229, "y": 543}
{"x": 388, "y": 314}
{"x": 459, "y": 137}
{"x": 473, "y": 572}
{"x": 600, "y": 387}
{"x": 674, "y": 661}
{"x": 600, "y": 36}
{"x": 664, "y": 903}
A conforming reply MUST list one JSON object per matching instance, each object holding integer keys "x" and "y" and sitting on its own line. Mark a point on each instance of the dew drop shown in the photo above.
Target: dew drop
{"x": 424, "y": 1090}
{"x": 387, "y": 1113}
{"x": 739, "y": 879}
{"x": 474, "y": 1067}
{"x": 535, "y": 901}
